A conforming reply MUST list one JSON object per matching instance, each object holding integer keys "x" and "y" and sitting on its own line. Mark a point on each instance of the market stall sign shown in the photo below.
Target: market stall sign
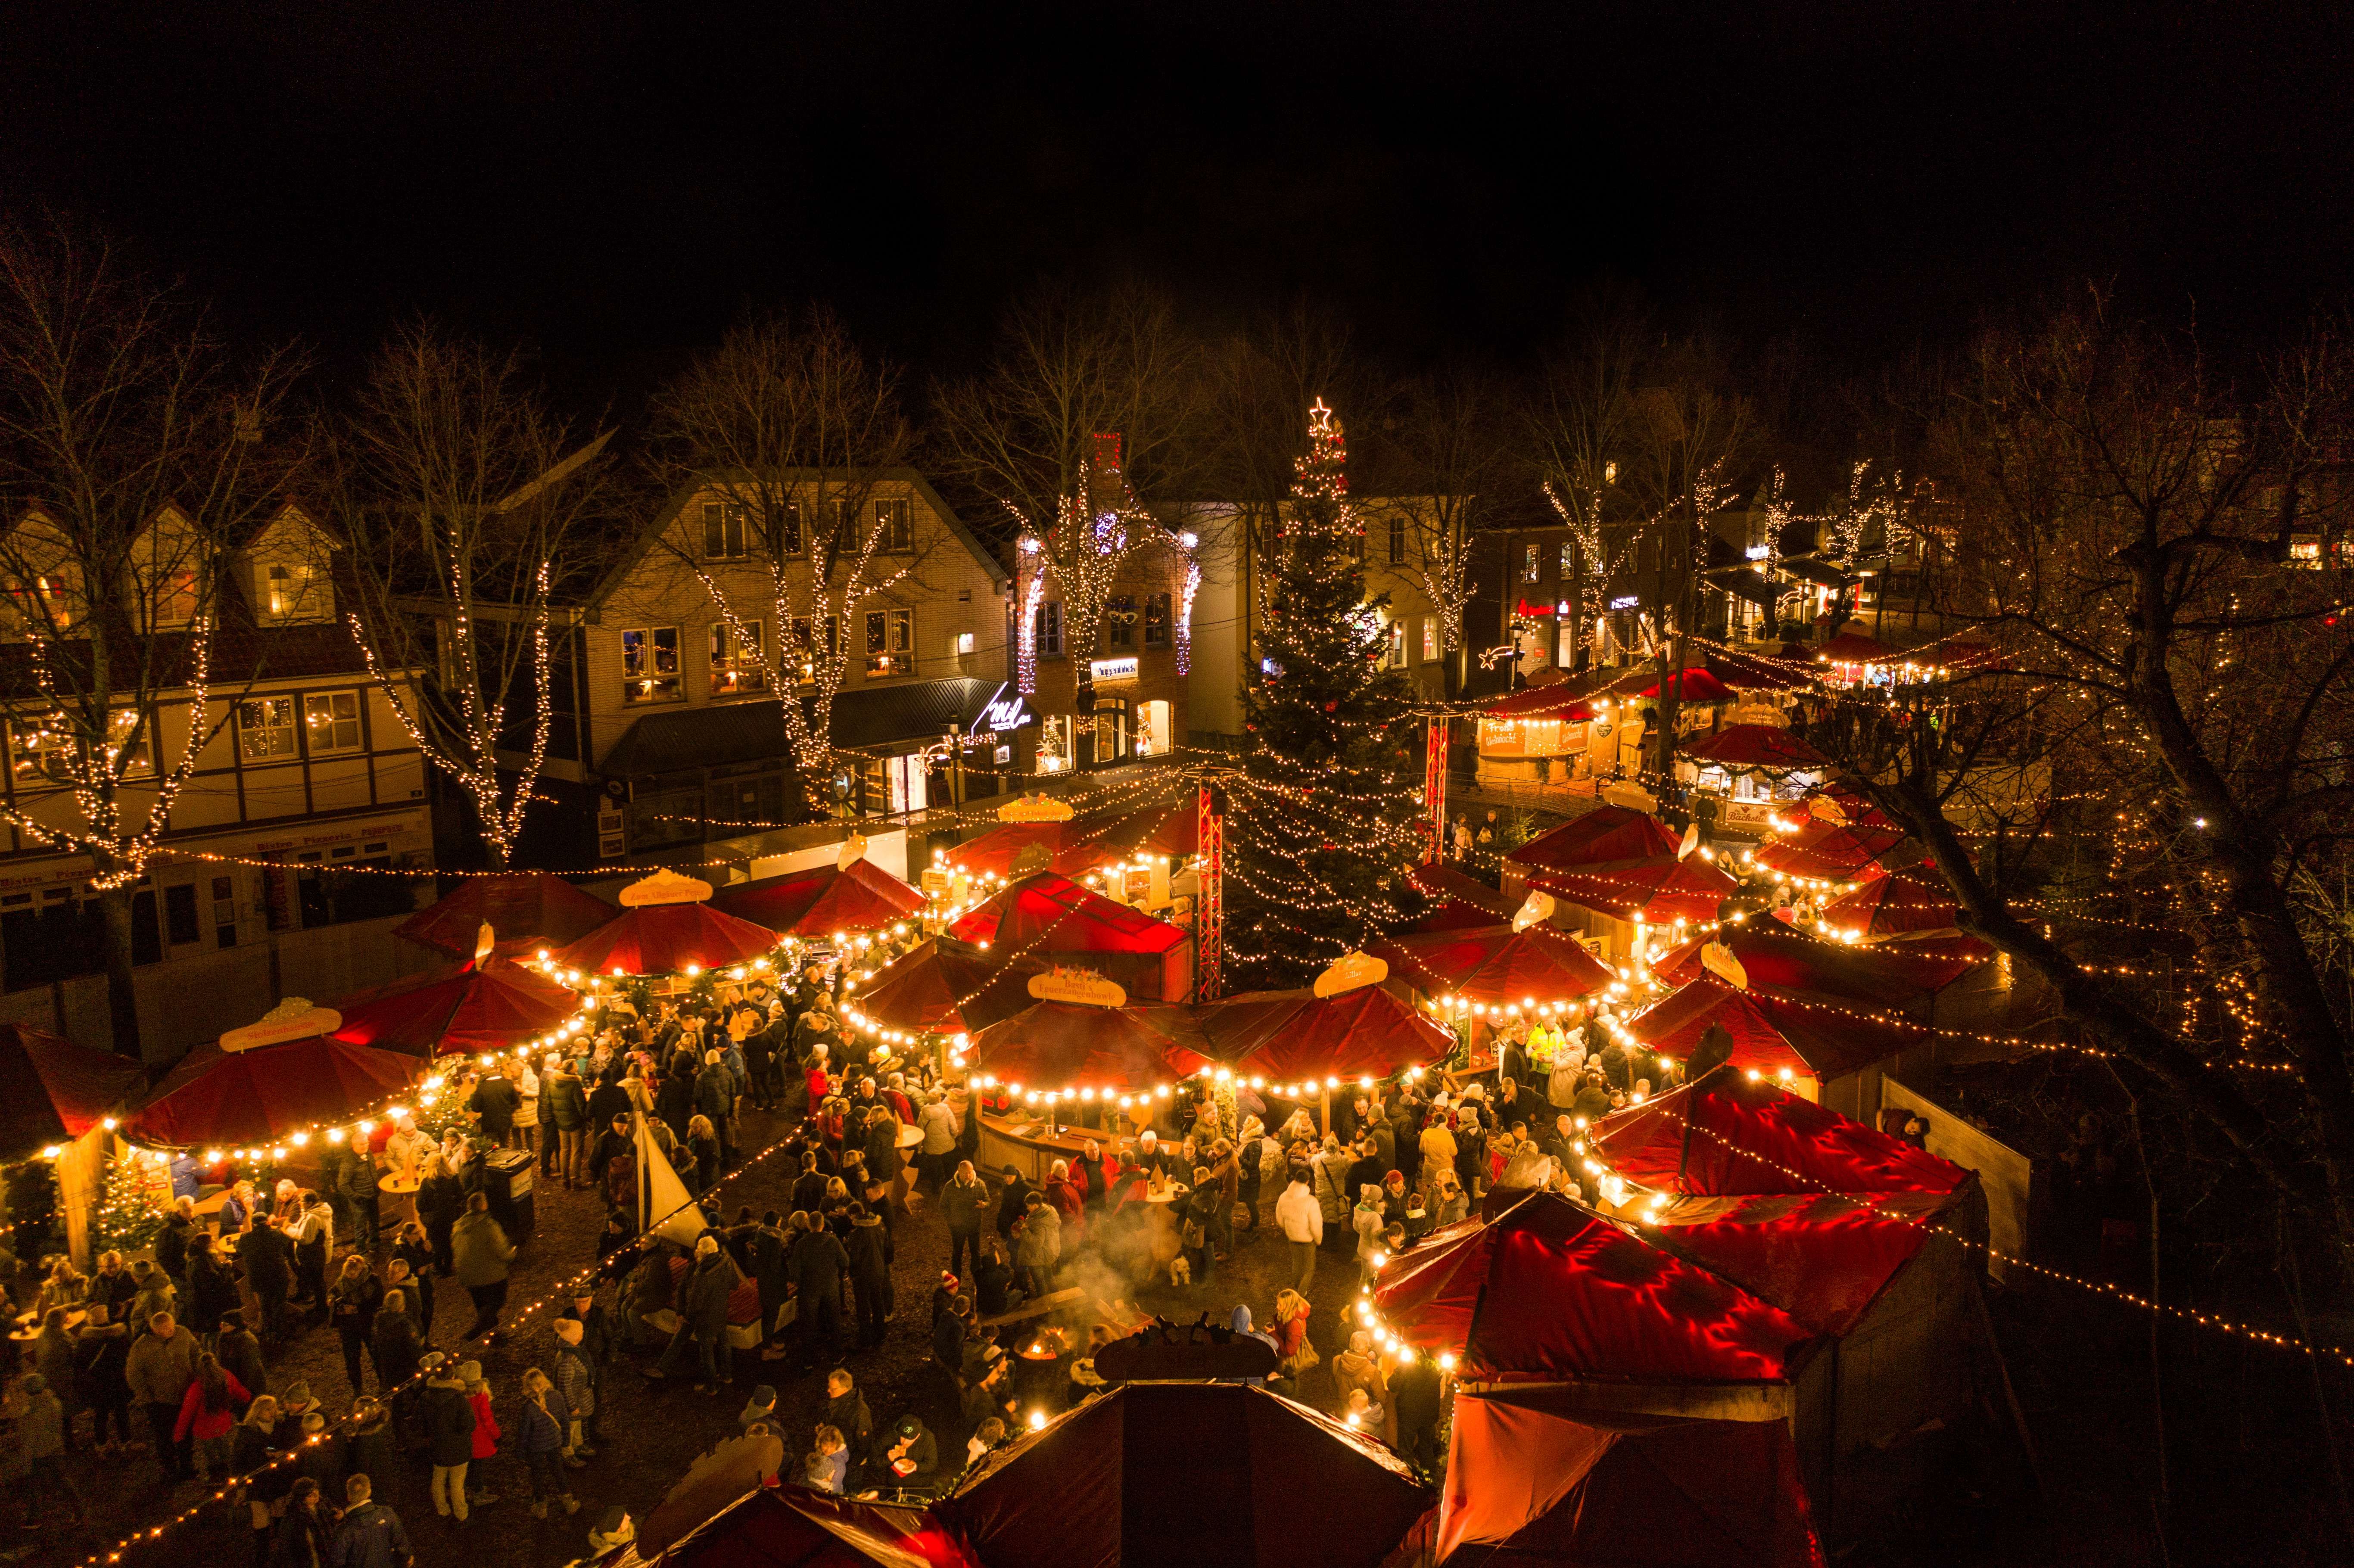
{"x": 1535, "y": 912}
{"x": 293, "y": 1018}
{"x": 1081, "y": 986}
{"x": 1034, "y": 809}
{"x": 1719, "y": 960}
{"x": 664, "y": 887}
{"x": 1113, "y": 669}
{"x": 1352, "y": 972}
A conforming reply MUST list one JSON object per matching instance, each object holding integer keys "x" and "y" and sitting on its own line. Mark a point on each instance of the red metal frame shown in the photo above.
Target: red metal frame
{"x": 1210, "y": 914}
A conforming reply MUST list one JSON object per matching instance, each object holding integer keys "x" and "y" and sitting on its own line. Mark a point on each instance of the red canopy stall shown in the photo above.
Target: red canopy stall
{"x": 1810, "y": 1043}
{"x": 1495, "y": 969}
{"x": 1892, "y": 904}
{"x": 1616, "y": 866}
{"x": 1185, "y": 1475}
{"x": 493, "y": 1005}
{"x": 267, "y": 1093}
{"x": 1462, "y": 901}
{"x": 56, "y": 1090}
{"x": 1742, "y": 747}
{"x": 1049, "y": 912}
{"x": 1285, "y": 1036}
{"x": 1534, "y": 1477}
{"x": 1070, "y": 1045}
{"x": 1725, "y": 1135}
{"x": 794, "y": 1527}
{"x": 1782, "y": 959}
{"x": 820, "y": 900}
{"x": 946, "y": 987}
{"x": 525, "y": 909}
{"x": 666, "y": 928}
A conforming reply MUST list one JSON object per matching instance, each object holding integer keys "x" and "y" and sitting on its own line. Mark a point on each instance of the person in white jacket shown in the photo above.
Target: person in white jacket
{"x": 1303, "y": 1228}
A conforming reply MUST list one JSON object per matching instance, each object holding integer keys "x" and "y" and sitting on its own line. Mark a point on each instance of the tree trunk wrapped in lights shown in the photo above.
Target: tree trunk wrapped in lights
{"x": 1325, "y": 821}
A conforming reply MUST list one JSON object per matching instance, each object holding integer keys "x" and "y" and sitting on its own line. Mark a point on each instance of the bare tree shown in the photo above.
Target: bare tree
{"x": 465, "y": 502}
{"x": 1448, "y": 433}
{"x": 786, "y": 428}
{"x": 2159, "y": 559}
{"x": 1084, "y": 430}
{"x": 132, "y": 460}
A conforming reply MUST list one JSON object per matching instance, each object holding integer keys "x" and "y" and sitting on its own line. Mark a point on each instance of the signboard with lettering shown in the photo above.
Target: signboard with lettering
{"x": 1114, "y": 669}
{"x": 1005, "y": 712}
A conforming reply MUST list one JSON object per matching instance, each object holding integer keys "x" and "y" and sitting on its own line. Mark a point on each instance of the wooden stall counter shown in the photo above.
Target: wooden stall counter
{"x": 1023, "y": 1142}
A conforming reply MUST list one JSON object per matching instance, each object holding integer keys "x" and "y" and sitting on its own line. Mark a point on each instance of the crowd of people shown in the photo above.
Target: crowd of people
{"x": 800, "y": 1288}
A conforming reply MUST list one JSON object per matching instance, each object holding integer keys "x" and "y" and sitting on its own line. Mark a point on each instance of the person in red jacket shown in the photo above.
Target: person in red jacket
{"x": 486, "y": 1433}
{"x": 207, "y": 1414}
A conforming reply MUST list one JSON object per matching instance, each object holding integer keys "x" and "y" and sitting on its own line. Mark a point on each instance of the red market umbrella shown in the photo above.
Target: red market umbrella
{"x": 524, "y": 909}
{"x": 1286, "y": 1036}
{"x": 667, "y": 938}
{"x": 823, "y": 899}
{"x": 1853, "y": 648}
{"x": 1548, "y": 1290}
{"x": 1777, "y": 958}
{"x": 1727, "y": 1135}
{"x": 1765, "y": 747}
{"x": 1822, "y": 851}
{"x": 946, "y": 987}
{"x": 1692, "y": 685}
{"x": 495, "y": 1005}
{"x": 56, "y": 1090}
{"x": 267, "y": 1093}
{"x": 1069, "y": 1045}
{"x": 1496, "y": 966}
{"x": 1913, "y": 898}
{"x": 1771, "y": 1033}
{"x": 1660, "y": 891}
{"x": 1090, "y": 844}
{"x": 994, "y": 852}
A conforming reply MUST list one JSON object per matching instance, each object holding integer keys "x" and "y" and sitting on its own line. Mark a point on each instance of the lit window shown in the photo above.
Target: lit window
{"x": 175, "y": 598}
{"x": 1046, "y": 629}
{"x": 1529, "y": 559}
{"x": 1397, "y": 538}
{"x": 649, "y": 665}
{"x": 890, "y": 641}
{"x": 1156, "y": 620}
{"x": 42, "y": 750}
{"x": 1055, "y": 744}
{"x": 736, "y": 660}
{"x": 1397, "y": 645}
{"x": 1568, "y": 559}
{"x": 332, "y": 721}
{"x": 893, "y": 527}
{"x": 964, "y": 643}
{"x": 265, "y": 728}
{"x": 1430, "y": 637}
{"x": 788, "y": 528}
{"x": 723, "y": 530}
{"x": 1119, "y": 623}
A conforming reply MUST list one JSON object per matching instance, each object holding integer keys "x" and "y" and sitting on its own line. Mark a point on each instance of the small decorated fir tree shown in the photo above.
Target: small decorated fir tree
{"x": 1324, "y": 817}
{"x": 131, "y": 1209}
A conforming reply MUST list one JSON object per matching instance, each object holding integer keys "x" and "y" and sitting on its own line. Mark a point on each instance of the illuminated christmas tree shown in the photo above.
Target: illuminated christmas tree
{"x": 1324, "y": 818}
{"x": 132, "y": 1208}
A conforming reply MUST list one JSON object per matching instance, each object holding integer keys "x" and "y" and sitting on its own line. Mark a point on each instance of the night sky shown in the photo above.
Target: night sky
{"x": 609, "y": 183}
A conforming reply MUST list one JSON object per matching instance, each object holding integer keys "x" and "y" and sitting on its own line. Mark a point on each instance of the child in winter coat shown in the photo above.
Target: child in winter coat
{"x": 486, "y": 1432}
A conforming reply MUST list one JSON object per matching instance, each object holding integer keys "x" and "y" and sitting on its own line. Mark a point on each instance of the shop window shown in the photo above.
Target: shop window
{"x": 1046, "y": 629}
{"x": 1054, "y": 750}
{"x": 1156, "y": 620}
{"x": 736, "y": 660}
{"x": 895, "y": 529}
{"x": 1153, "y": 734}
{"x": 649, "y": 665}
{"x": 1111, "y": 729}
{"x": 890, "y": 642}
{"x": 669, "y": 812}
{"x": 1119, "y": 623}
{"x": 1430, "y": 637}
{"x": 1528, "y": 562}
{"x": 332, "y": 722}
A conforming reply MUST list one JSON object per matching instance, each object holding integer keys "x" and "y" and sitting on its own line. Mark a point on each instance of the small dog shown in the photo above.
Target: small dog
{"x": 1181, "y": 1270}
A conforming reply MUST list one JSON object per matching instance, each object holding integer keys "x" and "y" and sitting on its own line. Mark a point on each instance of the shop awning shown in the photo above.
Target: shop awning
{"x": 1691, "y": 685}
{"x": 496, "y": 1005}
{"x": 1807, "y": 568}
{"x": 1746, "y": 584}
{"x": 524, "y": 909}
